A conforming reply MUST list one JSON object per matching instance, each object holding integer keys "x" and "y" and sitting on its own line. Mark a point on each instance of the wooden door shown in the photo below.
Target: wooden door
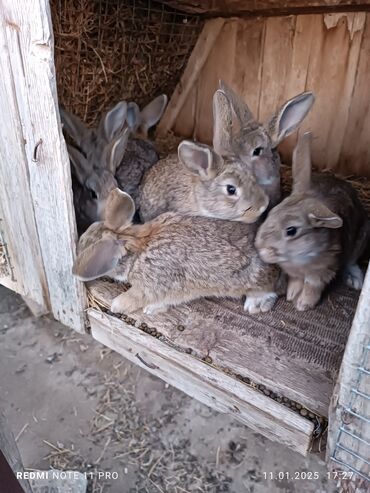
{"x": 37, "y": 224}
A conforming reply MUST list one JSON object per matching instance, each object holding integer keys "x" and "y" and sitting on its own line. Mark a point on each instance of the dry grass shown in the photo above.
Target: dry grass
{"x": 109, "y": 50}
{"x": 361, "y": 184}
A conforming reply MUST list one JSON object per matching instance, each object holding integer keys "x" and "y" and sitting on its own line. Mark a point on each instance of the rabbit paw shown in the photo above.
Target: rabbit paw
{"x": 295, "y": 287}
{"x": 126, "y": 303}
{"x": 354, "y": 277}
{"x": 155, "y": 308}
{"x": 260, "y": 303}
{"x": 302, "y": 303}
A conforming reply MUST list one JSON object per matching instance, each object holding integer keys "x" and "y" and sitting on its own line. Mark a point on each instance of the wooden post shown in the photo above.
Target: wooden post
{"x": 37, "y": 199}
{"x": 350, "y": 408}
{"x": 12, "y": 462}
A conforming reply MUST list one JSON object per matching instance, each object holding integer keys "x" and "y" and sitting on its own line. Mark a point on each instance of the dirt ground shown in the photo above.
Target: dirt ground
{"x": 75, "y": 405}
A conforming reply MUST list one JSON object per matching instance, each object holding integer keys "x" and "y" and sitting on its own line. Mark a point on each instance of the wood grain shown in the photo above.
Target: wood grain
{"x": 11, "y": 453}
{"x": 357, "y": 354}
{"x": 16, "y": 206}
{"x": 28, "y": 37}
{"x": 201, "y": 381}
{"x": 265, "y": 7}
{"x": 278, "y": 350}
{"x": 270, "y": 60}
{"x": 197, "y": 59}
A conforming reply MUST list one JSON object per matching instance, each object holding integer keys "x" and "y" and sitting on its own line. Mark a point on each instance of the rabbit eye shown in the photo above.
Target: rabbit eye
{"x": 291, "y": 231}
{"x": 93, "y": 194}
{"x": 231, "y": 190}
{"x": 257, "y": 151}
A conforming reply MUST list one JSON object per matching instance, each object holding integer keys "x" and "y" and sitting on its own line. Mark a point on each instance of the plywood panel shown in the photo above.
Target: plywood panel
{"x": 270, "y": 60}
{"x": 355, "y": 150}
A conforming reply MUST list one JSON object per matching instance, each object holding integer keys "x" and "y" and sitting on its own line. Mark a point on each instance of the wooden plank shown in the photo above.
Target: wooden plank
{"x": 346, "y": 46}
{"x": 296, "y": 356}
{"x": 207, "y": 384}
{"x": 357, "y": 355}
{"x": 220, "y": 61}
{"x": 18, "y": 225}
{"x": 355, "y": 150}
{"x": 29, "y": 40}
{"x": 10, "y": 451}
{"x": 266, "y": 7}
{"x": 249, "y": 50}
{"x": 207, "y": 38}
{"x": 296, "y": 77}
{"x": 276, "y": 64}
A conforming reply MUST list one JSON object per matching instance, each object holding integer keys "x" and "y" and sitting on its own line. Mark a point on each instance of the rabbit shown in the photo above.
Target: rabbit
{"x": 105, "y": 157}
{"x": 198, "y": 181}
{"x": 175, "y": 184}
{"x": 237, "y": 133}
{"x": 174, "y": 259}
{"x": 321, "y": 229}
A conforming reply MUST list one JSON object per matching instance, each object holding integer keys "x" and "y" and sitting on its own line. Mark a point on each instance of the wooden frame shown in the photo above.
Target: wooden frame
{"x": 199, "y": 380}
{"x": 37, "y": 205}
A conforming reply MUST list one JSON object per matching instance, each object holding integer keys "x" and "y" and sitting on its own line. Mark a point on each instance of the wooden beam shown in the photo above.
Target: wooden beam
{"x": 353, "y": 385}
{"x": 197, "y": 59}
{"x": 11, "y": 453}
{"x": 266, "y": 7}
{"x": 28, "y": 50}
{"x": 203, "y": 382}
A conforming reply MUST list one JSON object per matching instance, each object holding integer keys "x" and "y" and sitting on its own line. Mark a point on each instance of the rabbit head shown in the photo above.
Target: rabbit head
{"x": 100, "y": 247}
{"x": 94, "y": 156}
{"x": 223, "y": 188}
{"x": 299, "y": 228}
{"x": 140, "y": 121}
{"x": 236, "y": 132}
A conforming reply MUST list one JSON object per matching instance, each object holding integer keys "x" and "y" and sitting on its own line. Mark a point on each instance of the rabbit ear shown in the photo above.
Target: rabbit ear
{"x": 222, "y": 123}
{"x": 321, "y": 216}
{"x": 198, "y": 158}
{"x": 152, "y": 113}
{"x": 114, "y": 121}
{"x": 115, "y": 150}
{"x": 301, "y": 166}
{"x": 80, "y": 165}
{"x": 73, "y": 126}
{"x": 98, "y": 259}
{"x": 289, "y": 117}
{"x": 119, "y": 210}
{"x": 133, "y": 116}
{"x": 240, "y": 108}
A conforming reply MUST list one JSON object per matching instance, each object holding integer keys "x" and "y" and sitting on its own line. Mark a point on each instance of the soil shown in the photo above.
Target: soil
{"x": 75, "y": 405}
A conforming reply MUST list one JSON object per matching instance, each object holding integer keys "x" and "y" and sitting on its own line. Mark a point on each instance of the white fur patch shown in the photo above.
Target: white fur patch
{"x": 260, "y": 304}
{"x": 354, "y": 277}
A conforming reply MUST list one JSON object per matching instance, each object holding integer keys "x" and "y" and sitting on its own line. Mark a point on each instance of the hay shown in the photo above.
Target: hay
{"x": 361, "y": 184}
{"x": 109, "y": 50}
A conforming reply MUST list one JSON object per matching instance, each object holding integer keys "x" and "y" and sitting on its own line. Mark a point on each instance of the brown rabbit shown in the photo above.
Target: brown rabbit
{"x": 237, "y": 133}
{"x": 105, "y": 157}
{"x": 174, "y": 259}
{"x": 200, "y": 182}
{"x": 319, "y": 230}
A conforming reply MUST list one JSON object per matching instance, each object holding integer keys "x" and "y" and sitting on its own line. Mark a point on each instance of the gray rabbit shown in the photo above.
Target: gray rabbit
{"x": 198, "y": 181}
{"x": 175, "y": 259}
{"x": 113, "y": 154}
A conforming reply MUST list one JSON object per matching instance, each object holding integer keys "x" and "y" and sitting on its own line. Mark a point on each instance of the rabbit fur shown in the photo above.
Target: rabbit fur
{"x": 113, "y": 154}
{"x": 176, "y": 184}
{"x": 174, "y": 259}
{"x": 237, "y": 133}
{"x": 198, "y": 181}
{"x": 319, "y": 230}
